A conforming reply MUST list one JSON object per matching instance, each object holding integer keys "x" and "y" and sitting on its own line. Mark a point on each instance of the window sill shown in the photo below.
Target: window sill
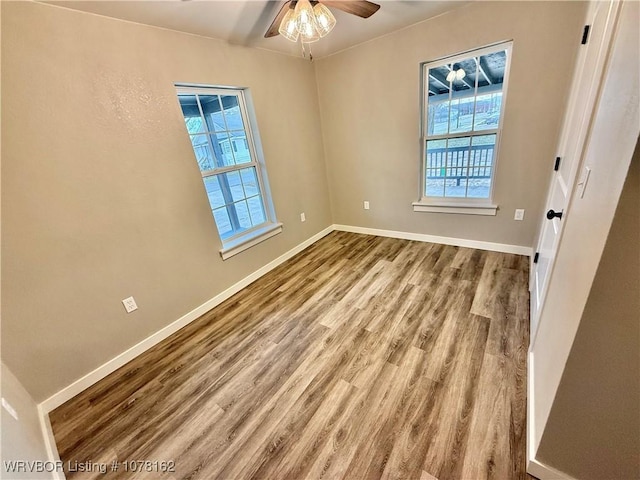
{"x": 254, "y": 237}
{"x": 460, "y": 208}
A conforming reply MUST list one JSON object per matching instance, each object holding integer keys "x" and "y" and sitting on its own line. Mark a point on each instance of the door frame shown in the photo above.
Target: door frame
{"x": 584, "y": 108}
{"x": 608, "y": 147}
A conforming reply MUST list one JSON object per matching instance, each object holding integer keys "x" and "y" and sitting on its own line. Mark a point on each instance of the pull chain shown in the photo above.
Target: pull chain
{"x": 304, "y": 52}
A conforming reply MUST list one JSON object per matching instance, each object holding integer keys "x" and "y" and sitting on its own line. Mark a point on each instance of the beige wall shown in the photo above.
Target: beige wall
{"x": 101, "y": 196}
{"x": 21, "y": 439}
{"x": 370, "y": 117}
{"x": 596, "y": 410}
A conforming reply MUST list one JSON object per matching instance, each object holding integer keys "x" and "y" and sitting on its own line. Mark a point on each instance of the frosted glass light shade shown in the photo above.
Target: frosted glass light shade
{"x": 306, "y": 22}
{"x": 325, "y": 21}
{"x": 456, "y": 75}
{"x": 289, "y": 26}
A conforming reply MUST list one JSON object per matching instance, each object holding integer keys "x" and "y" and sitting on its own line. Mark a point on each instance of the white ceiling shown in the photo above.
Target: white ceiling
{"x": 244, "y": 22}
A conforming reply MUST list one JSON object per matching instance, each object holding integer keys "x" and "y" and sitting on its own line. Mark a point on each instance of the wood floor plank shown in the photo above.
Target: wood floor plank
{"x": 447, "y": 448}
{"x": 490, "y": 436}
{"x": 355, "y": 426}
{"x": 374, "y": 449}
{"x": 488, "y": 286}
{"x": 298, "y": 462}
{"x": 409, "y": 447}
{"x": 310, "y": 379}
{"x": 361, "y": 357}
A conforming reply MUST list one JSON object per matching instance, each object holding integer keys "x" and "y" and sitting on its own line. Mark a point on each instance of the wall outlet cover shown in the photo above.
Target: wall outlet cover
{"x": 129, "y": 304}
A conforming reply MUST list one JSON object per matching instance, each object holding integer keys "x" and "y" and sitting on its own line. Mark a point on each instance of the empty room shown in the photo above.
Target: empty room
{"x": 320, "y": 239}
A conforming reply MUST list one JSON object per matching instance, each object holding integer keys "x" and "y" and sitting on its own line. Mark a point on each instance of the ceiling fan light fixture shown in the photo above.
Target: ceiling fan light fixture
{"x": 325, "y": 21}
{"x": 304, "y": 13}
{"x": 309, "y": 33}
{"x": 312, "y": 19}
{"x": 289, "y": 26}
{"x": 456, "y": 72}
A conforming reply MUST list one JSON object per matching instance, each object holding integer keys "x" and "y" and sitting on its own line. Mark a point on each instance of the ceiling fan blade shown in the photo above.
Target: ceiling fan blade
{"x": 361, "y": 8}
{"x": 273, "y": 28}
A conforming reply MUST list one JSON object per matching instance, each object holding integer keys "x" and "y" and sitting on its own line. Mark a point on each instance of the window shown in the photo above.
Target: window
{"x": 217, "y": 119}
{"x": 461, "y": 120}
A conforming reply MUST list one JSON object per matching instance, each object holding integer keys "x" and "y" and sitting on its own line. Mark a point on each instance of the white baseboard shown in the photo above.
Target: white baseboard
{"x": 536, "y": 467}
{"x": 422, "y": 237}
{"x": 112, "y": 365}
{"x": 545, "y": 472}
{"x": 50, "y": 443}
{"x": 70, "y": 391}
{"x": 532, "y": 445}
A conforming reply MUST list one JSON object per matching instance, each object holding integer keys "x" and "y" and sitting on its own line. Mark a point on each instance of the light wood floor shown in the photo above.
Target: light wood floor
{"x": 361, "y": 357}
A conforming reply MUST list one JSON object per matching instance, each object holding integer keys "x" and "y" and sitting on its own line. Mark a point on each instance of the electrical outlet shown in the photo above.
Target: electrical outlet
{"x": 303, "y": 218}
{"x": 129, "y": 304}
{"x": 366, "y": 205}
{"x": 519, "y": 214}
{"x": 9, "y": 409}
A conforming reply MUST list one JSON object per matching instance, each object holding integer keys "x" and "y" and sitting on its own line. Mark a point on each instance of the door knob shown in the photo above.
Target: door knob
{"x": 551, "y": 215}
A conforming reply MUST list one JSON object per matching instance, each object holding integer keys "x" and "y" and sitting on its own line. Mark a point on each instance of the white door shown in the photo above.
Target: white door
{"x": 586, "y": 79}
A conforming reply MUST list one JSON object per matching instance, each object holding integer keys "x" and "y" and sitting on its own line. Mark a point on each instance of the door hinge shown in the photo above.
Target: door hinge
{"x": 535, "y": 257}
{"x": 585, "y": 34}
{"x": 556, "y": 166}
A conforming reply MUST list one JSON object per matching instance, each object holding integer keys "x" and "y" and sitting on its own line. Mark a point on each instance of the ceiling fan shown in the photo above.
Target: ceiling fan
{"x": 311, "y": 20}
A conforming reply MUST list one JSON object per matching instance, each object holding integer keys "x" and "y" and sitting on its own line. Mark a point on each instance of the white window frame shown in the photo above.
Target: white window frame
{"x": 462, "y": 205}
{"x": 258, "y": 233}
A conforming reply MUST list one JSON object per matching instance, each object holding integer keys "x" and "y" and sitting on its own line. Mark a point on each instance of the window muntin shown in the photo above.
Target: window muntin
{"x": 462, "y": 118}
{"x": 218, "y": 126}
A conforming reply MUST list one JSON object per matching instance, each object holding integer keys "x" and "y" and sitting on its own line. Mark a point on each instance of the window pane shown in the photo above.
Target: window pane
{"x": 488, "y": 111}
{"x": 438, "y": 121}
{"x": 438, "y": 99}
{"x": 481, "y": 166}
{"x": 490, "y": 82}
{"x": 479, "y": 188}
{"x": 191, "y": 113}
{"x": 438, "y": 84}
{"x": 212, "y": 112}
{"x": 214, "y": 192}
{"x": 461, "y": 75}
{"x": 256, "y": 210}
{"x": 435, "y": 167}
{"x": 202, "y": 150}
{"x": 231, "y": 186}
{"x": 241, "y": 150}
{"x": 222, "y": 146}
{"x": 194, "y": 124}
{"x": 457, "y": 164}
{"x": 435, "y": 187}
{"x": 223, "y": 222}
{"x": 492, "y": 68}
{"x": 457, "y": 90}
{"x": 242, "y": 212}
{"x": 250, "y": 181}
{"x": 232, "y": 112}
{"x": 461, "y": 115}
{"x": 460, "y": 167}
